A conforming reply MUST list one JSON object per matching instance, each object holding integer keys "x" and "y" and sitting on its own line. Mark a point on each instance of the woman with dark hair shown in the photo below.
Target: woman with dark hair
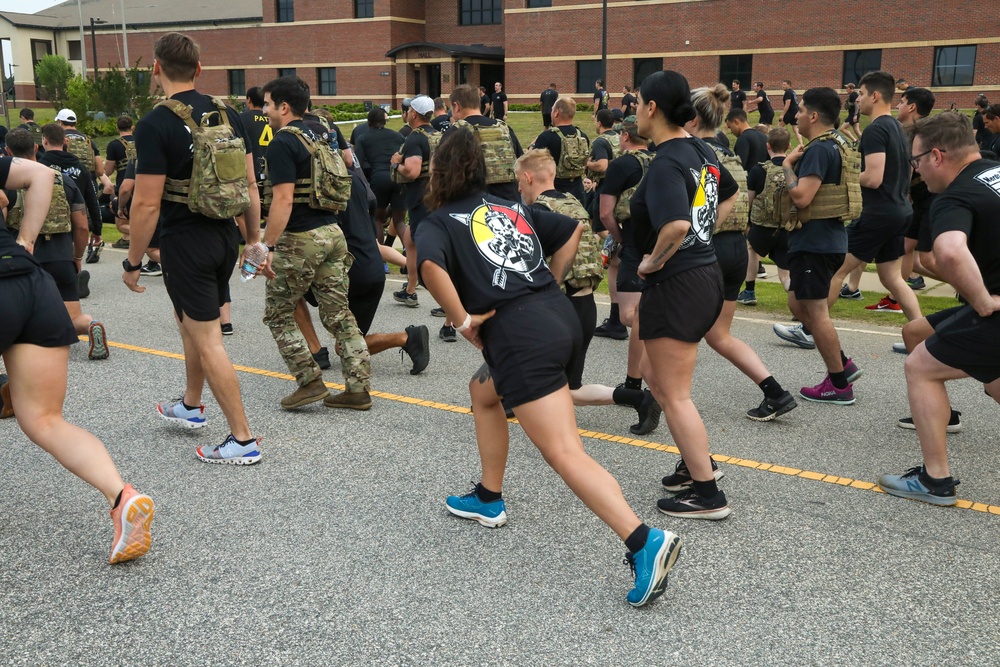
{"x": 485, "y": 255}
{"x": 674, "y": 211}
{"x": 374, "y": 151}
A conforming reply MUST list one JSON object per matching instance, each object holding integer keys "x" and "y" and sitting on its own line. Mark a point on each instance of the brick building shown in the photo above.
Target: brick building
{"x": 383, "y": 50}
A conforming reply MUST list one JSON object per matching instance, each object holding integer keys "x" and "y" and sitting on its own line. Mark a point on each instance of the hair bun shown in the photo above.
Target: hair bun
{"x": 682, "y": 113}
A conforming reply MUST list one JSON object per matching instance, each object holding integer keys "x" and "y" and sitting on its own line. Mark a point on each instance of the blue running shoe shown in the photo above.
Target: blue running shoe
{"x": 469, "y": 506}
{"x": 174, "y": 411}
{"x": 651, "y": 566}
{"x": 910, "y": 485}
{"x": 231, "y": 452}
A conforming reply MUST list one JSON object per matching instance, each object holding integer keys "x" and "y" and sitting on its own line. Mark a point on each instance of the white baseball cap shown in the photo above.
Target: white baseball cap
{"x": 66, "y": 116}
{"x": 422, "y": 104}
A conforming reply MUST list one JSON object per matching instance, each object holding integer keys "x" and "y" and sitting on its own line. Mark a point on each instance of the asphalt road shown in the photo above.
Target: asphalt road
{"x": 337, "y": 549}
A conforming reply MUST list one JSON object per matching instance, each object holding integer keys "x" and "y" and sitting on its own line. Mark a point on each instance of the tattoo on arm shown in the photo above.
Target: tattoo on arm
{"x": 791, "y": 180}
{"x": 663, "y": 255}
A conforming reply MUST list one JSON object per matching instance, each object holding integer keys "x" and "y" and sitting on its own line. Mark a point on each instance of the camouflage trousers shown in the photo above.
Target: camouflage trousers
{"x": 316, "y": 259}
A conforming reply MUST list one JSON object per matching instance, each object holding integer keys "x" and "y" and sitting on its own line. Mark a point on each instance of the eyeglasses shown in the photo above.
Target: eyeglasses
{"x": 915, "y": 160}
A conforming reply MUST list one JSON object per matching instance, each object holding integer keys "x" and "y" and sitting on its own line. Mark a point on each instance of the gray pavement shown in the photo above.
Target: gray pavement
{"x": 337, "y": 549}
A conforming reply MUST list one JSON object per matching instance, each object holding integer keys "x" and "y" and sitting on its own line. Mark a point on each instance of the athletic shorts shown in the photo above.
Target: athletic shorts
{"x": 33, "y": 312}
{"x": 789, "y": 119}
{"x": 64, "y": 273}
{"x": 731, "y": 252}
{"x": 197, "y": 265}
{"x": 628, "y": 279}
{"x": 547, "y": 119}
{"x": 920, "y": 230}
{"x": 386, "y": 192}
{"x": 851, "y": 119}
{"x": 770, "y": 242}
{"x": 530, "y": 345}
{"x": 810, "y": 274}
{"x": 964, "y": 340}
{"x": 586, "y": 312}
{"x": 684, "y": 306}
{"x": 767, "y": 119}
{"x": 877, "y": 239}
{"x": 414, "y": 216}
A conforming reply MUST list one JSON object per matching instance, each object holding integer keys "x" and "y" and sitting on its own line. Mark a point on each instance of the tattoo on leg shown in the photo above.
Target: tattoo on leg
{"x": 483, "y": 374}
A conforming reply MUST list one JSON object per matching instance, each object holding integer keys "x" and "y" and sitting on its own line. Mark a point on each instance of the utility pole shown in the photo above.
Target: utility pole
{"x": 604, "y": 44}
{"x": 93, "y": 41}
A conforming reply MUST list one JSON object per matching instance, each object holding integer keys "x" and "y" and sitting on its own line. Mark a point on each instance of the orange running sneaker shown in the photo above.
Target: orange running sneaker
{"x": 132, "y": 518}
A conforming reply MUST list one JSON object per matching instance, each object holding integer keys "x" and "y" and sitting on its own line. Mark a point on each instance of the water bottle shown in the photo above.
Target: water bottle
{"x": 253, "y": 259}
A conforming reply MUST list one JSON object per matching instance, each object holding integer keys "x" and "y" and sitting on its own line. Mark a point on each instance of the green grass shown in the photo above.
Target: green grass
{"x": 772, "y": 299}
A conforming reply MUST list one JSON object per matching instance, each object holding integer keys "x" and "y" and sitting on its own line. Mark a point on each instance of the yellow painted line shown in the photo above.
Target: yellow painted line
{"x": 594, "y": 435}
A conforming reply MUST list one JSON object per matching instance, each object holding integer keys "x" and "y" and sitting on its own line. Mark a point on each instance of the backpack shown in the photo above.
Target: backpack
{"x": 772, "y": 204}
{"x": 130, "y": 155}
{"x": 433, "y": 140}
{"x": 57, "y": 221}
{"x": 623, "y": 206}
{"x": 81, "y": 146}
{"x": 328, "y": 187}
{"x": 573, "y": 156}
{"x": 498, "y": 149}
{"x": 841, "y": 201}
{"x": 218, "y": 186}
{"x": 36, "y": 132}
{"x": 736, "y": 221}
{"x": 616, "y": 150}
{"x": 588, "y": 266}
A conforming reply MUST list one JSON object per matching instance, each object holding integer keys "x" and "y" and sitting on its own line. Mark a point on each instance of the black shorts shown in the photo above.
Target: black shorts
{"x": 546, "y": 119}
{"x": 628, "y": 278}
{"x": 920, "y": 230}
{"x": 877, "y": 239}
{"x": 386, "y": 192}
{"x": 586, "y": 312}
{"x": 770, "y": 242}
{"x": 154, "y": 241}
{"x": 789, "y": 119}
{"x": 197, "y": 265}
{"x": 810, "y": 274}
{"x": 33, "y": 312}
{"x": 684, "y": 306}
{"x": 414, "y": 216}
{"x": 363, "y": 300}
{"x": 64, "y": 273}
{"x": 851, "y": 120}
{"x": 964, "y": 340}
{"x": 731, "y": 252}
{"x": 767, "y": 118}
{"x": 530, "y": 345}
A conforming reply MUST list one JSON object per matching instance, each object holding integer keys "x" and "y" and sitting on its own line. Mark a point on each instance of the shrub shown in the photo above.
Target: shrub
{"x": 54, "y": 74}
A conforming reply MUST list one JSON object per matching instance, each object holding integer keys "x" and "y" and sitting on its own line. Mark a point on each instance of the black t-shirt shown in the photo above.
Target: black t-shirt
{"x": 751, "y": 147}
{"x": 441, "y": 123}
{"x": 601, "y": 149}
{"x": 550, "y": 141}
{"x": 983, "y": 136}
{"x": 494, "y": 250}
{"x": 601, "y": 99}
{"x": 756, "y": 177}
{"x": 548, "y": 98}
{"x": 118, "y": 154}
{"x": 852, "y": 104}
{"x": 497, "y": 101}
{"x": 506, "y": 191}
{"x": 684, "y": 182}
{"x": 764, "y": 104}
{"x": 259, "y": 134}
{"x": 737, "y": 98}
{"x": 288, "y": 161}
{"x": 971, "y": 204}
{"x": 14, "y": 260}
{"x": 164, "y": 147}
{"x": 417, "y": 145}
{"x": 484, "y": 101}
{"x": 629, "y": 102}
{"x": 889, "y": 200}
{"x": 358, "y": 132}
{"x": 356, "y": 223}
{"x": 623, "y": 173}
{"x": 375, "y": 149}
{"x": 821, "y": 235}
{"x": 720, "y": 139}
{"x": 790, "y": 96}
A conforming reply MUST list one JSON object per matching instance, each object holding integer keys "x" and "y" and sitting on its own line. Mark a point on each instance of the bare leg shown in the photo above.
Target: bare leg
{"x": 753, "y": 259}
{"x": 851, "y": 265}
{"x": 381, "y": 342}
{"x": 888, "y": 273}
{"x": 628, "y": 310}
{"x": 916, "y": 332}
{"x": 81, "y": 321}
{"x": 738, "y": 353}
{"x": 930, "y": 407}
{"x": 908, "y": 260}
{"x": 816, "y": 316}
{"x": 593, "y": 394}
{"x": 492, "y": 435}
{"x": 226, "y": 313}
{"x": 411, "y": 261}
{"x": 392, "y": 255}
{"x": 304, "y": 321}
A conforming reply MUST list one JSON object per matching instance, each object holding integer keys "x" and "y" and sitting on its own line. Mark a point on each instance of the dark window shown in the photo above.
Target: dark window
{"x": 859, "y": 63}
{"x": 587, "y": 73}
{"x": 286, "y": 71}
{"x": 364, "y": 9}
{"x": 463, "y": 73}
{"x": 74, "y": 49}
{"x": 327, "y": 77}
{"x": 643, "y": 67}
{"x": 539, "y": 3}
{"x": 736, "y": 68}
{"x": 480, "y": 12}
{"x": 286, "y": 11}
{"x": 237, "y": 82}
{"x": 954, "y": 65}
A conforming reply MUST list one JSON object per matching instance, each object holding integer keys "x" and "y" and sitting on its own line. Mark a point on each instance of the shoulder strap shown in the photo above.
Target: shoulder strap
{"x": 181, "y": 110}
{"x": 221, "y": 106}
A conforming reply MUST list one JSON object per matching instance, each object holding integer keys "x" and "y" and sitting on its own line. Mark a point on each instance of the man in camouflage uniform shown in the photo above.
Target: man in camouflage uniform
{"x": 307, "y": 250}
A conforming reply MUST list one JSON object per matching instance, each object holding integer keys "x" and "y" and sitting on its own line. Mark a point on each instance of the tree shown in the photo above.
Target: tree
{"x": 53, "y": 74}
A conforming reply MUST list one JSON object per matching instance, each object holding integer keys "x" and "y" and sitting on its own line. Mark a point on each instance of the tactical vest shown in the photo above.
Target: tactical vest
{"x": 736, "y": 221}
{"x": 36, "y": 132}
{"x": 130, "y": 155}
{"x": 57, "y": 221}
{"x": 218, "y": 187}
{"x": 573, "y": 154}
{"x": 433, "y": 140}
{"x": 328, "y": 187}
{"x": 588, "y": 266}
{"x": 81, "y": 146}
{"x": 498, "y": 149}
{"x": 841, "y": 201}
{"x": 772, "y": 204}
{"x": 623, "y": 206}
{"x": 616, "y": 150}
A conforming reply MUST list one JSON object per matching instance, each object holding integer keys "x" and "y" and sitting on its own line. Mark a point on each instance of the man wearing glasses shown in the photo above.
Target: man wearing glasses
{"x": 964, "y": 339}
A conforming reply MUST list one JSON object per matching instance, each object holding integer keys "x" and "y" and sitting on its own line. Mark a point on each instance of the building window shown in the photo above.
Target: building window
{"x": 480, "y": 12}
{"x": 587, "y": 73}
{"x": 237, "y": 82}
{"x": 539, "y": 3}
{"x": 74, "y": 49}
{"x": 859, "y": 63}
{"x": 286, "y": 11}
{"x": 954, "y": 65}
{"x": 643, "y": 67}
{"x": 736, "y": 68}
{"x": 327, "y": 77}
{"x": 364, "y": 9}
{"x": 463, "y": 73}
{"x": 286, "y": 71}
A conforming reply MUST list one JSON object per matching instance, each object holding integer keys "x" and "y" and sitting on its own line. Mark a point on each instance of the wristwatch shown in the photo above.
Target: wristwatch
{"x": 129, "y": 268}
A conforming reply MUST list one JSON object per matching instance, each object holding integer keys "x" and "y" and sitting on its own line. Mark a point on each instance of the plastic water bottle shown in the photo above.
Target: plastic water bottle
{"x": 253, "y": 258}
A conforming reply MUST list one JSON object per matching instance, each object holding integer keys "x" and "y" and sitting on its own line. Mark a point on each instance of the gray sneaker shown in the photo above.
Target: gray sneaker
{"x": 899, "y": 348}
{"x": 795, "y": 335}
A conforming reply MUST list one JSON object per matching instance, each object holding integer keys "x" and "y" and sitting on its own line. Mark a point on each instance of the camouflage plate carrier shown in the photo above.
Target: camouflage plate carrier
{"x": 218, "y": 187}
{"x": 498, "y": 149}
{"x": 328, "y": 187}
{"x": 574, "y": 153}
{"x": 81, "y": 146}
{"x": 841, "y": 201}
{"x": 623, "y": 206}
{"x": 616, "y": 150}
{"x": 588, "y": 266}
{"x": 433, "y": 140}
{"x": 772, "y": 204}
{"x": 57, "y": 221}
{"x": 736, "y": 221}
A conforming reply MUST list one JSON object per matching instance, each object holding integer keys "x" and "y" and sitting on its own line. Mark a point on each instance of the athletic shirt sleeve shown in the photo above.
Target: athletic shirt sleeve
{"x": 951, "y": 212}
{"x": 622, "y": 173}
{"x": 116, "y": 151}
{"x": 281, "y": 159}
{"x": 150, "y": 148}
{"x": 755, "y": 179}
{"x": 553, "y": 229}
{"x": 601, "y": 150}
{"x": 549, "y": 141}
{"x": 416, "y": 145}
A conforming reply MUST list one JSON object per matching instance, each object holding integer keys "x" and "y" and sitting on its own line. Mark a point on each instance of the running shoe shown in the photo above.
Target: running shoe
{"x": 649, "y": 415}
{"x": 94, "y": 252}
{"x": 651, "y": 566}
{"x": 846, "y": 293}
{"x": 227, "y": 329}
{"x": 747, "y": 297}
{"x": 120, "y": 244}
{"x": 885, "y": 305}
{"x": 825, "y": 392}
{"x": 689, "y": 505}
{"x": 469, "y": 506}
{"x": 174, "y": 411}
{"x": 231, "y": 452}
{"x": 385, "y": 267}
{"x": 448, "y": 334}
{"x": 680, "y": 480}
{"x": 915, "y": 485}
{"x": 322, "y": 358}
{"x": 83, "y": 284}
{"x": 438, "y": 312}
{"x": 417, "y": 347}
{"x": 151, "y": 269}
{"x": 608, "y": 330}
{"x": 761, "y": 271}
{"x": 98, "y": 342}
{"x": 917, "y": 283}
{"x": 794, "y": 334}
{"x": 899, "y": 348}
{"x": 405, "y": 298}
{"x": 132, "y": 518}
{"x": 954, "y": 423}
{"x": 6, "y": 407}
{"x": 772, "y": 408}
{"x": 852, "y": 372}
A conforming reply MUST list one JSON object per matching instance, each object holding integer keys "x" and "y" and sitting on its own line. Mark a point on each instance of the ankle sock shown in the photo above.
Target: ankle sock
{"x": 633, "y": 383}
{"x": 630, "y": 397}
{"x": 637, "y": 540}
{"x": 771, "y": 388}
{"x": 390, "y": 240}
{"x": 118, "y": 500}
{"x": 839, "y": 380}
{"x": 933, "y": 482}
{"x": 705, "y": 489}
{"x": 751, "y": 285}
{"x": 614, "y": 318}
{"x": 188, "y": 407}
{"x": 806, "y": 331}
{"x": 244, "y": 443}
{"x": 843, "y": 358}
{"x": 487, "y": 496}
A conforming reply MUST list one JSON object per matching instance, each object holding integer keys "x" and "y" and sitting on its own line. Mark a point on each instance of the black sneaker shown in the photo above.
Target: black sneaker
{"x": 761, "y": 271}
{"x": 83, "y": 284}
{"x": 689, "y": 505}
{"x": 94, "y": 252}
{"x": 681, "y": 479}
{"x": 151, "y": 268}
{"x": 227, "y": 329}
{"x": 405, "y": 298}
{"x": 649, "y": 415}
{"x": 438, "y": 312}
{"x": 846, "y": 293}
{"x": 322, "y": 358}
{"x": 608, "y": 330}
{"x": 448, "y": 334}
{"x": 417, "y": 347}
{"x": 772, "y": 408}
{"x": 954, "y": 422}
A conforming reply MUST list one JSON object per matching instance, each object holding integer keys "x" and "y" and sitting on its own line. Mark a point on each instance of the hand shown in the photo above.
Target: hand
{"x": 131, "y": 280}
{"x": 647, "y": 267}
{"x": 27, "y": 245}
{"x": 109, "y": 189}
{"x": 793, "y": 157}
{"x": 265, "y": 268}
{"x": 472, "y": 333}
{"x": 397, "y": 158}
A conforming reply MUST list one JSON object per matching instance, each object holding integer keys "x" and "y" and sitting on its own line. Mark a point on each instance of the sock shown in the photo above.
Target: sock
{"x": 118, "y": 500}
{"x": 632, "y": 383}
{"x": 614, "y": 318}
{"x": 630, "y": 397}
{"x": 933, "y": 481}
{"x": 705, "y": 489}
{"x": 188, "y": 407}
{"x": 751, "y": 285}
{"x": 839, "y": 380}
{"x": 806, "y": 331}
{"x": 637, "y": 540}
{"x": 771, "y": 388}
{"x": 843, "y": 358}
{"x": 390, "y": 240}
{"x": 891, "y": 300}
{"x": 487, "y": 496}
{"x": 244, "y": 443}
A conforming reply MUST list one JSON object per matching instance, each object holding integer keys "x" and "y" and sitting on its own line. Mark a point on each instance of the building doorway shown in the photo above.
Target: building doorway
{"x": 433, "y": 81}
{"x": 489, "y": 75}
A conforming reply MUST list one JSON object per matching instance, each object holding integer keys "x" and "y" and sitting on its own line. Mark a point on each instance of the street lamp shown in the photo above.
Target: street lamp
{"x": 93, "y": 40}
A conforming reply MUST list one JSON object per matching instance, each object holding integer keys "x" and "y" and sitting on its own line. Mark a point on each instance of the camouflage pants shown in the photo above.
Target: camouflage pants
{"x": 318, "y": 259}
